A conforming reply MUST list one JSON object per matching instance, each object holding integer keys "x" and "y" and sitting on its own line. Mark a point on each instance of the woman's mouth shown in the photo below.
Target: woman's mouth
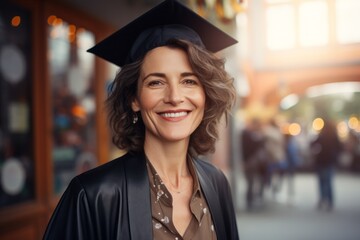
{"x": 174, "y": 114}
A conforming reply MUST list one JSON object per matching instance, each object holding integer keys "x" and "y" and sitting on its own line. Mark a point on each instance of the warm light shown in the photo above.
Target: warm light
{"x": 51, "y": 20}
{"x": 318, "y": 124}
{"x": 15, "y": 21}
{"x": 72, "y": 32}
{"x": 294, "y": 129}
{"x": 58, "y": 21}
{"x": 72, "y": 29}
{"x": 353, "y": 123}
{"x": 78, "y": 111}
{"x": 342, "y": 129}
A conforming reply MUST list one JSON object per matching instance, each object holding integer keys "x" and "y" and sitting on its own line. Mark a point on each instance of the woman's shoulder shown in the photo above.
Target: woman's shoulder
{"x": 213, "y": 176}
{"x": 207, "y": 168}
{"x": 112, "y": 165}
{"x": 205, "y": 164}
{"x": 110, "y": 173}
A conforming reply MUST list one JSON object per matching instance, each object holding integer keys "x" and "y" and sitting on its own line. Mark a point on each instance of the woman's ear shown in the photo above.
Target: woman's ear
{"x": 135, "y": 106}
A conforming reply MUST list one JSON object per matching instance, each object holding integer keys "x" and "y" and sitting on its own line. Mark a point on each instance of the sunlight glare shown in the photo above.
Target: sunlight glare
{"x": 314, "y": 23}
{"x": 280, "y": 27}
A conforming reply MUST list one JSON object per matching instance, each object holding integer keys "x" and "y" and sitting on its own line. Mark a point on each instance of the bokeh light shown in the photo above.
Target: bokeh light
{"x": 294, "y": 129}
{"x": 15, "y": 21}
{"x": 318, "y": 124}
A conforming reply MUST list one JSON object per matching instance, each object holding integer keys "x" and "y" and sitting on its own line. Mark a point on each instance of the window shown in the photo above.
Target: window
{"x": 347, "y": 19}
{"x": 280, "y": 22}
{"x": 16, "y": 133}
{"x": 313, "y": 23}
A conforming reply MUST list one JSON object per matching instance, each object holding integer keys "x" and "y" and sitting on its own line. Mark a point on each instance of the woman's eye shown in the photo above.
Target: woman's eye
{"x": 190, "y": 82}
{"x": 154, "y": 83}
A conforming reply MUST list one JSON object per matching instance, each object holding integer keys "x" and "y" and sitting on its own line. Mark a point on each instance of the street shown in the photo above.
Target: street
{"x": 282, "y": 217}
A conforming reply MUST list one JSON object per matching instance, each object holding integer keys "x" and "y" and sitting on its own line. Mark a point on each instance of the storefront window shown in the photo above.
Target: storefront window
{"x": 16, "y": 135}
{"x": 73, "y": 101}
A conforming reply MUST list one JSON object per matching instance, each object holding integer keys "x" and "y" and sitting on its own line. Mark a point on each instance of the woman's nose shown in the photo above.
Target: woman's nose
{"x": 174, "y": 95}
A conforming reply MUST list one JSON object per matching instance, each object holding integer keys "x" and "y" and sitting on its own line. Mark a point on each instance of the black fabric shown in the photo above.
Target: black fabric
{"x": 159, "y": 36}
{"x": 112, "y": 201}
{"x": 164, "y": 20}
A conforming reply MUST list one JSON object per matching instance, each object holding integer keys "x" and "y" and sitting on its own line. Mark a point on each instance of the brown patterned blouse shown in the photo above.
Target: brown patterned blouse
{"x": 200, "y": 226}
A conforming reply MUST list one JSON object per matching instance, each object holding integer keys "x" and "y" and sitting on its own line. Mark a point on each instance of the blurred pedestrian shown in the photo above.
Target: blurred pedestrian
{"x": 276, "y": 154}
{"x": 293, "y": 160}
{"x": 353, "y": 147}
{"x": 254, "y": 163}
{"x": 326, "y": 149}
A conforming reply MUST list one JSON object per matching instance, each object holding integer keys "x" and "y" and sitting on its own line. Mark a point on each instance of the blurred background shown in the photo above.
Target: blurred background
{"x": 291, "y": 150}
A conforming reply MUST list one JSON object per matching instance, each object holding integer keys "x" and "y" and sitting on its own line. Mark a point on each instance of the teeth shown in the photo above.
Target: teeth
{"x": 174, "y": 115}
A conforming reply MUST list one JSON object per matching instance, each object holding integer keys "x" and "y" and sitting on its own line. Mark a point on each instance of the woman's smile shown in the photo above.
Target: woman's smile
{"x": 174, "y": 115}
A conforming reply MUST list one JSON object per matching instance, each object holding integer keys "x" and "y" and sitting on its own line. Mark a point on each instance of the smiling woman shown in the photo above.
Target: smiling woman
{"x": 164, "y": 108}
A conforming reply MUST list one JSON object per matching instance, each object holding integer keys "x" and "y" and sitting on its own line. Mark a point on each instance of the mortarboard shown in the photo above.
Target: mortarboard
{"x": 168, "y": 20}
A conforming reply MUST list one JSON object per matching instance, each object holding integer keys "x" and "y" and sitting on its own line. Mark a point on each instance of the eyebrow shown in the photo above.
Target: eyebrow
{"x": 153, "y": 74}
{"x": 157, "y": 74}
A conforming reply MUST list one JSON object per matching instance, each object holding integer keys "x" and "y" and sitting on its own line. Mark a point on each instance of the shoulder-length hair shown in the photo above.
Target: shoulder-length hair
{"x": 219, "y": 91}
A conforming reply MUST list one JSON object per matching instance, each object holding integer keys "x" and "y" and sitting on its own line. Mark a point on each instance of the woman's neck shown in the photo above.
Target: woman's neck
{"x": 169, "y": 159}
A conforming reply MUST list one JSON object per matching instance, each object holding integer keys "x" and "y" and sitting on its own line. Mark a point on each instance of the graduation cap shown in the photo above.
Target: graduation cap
{"x": 168, "y": 20}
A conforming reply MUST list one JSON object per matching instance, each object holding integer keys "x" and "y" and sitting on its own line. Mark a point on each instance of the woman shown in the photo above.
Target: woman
{"x": 164, "y": 108}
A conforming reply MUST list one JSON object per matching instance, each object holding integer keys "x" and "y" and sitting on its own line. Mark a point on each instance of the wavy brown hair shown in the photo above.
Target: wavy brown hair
{"x": 219, "y": 91}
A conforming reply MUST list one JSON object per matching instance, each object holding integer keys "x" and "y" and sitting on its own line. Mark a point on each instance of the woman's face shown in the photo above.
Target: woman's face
{"x": 170, "y": 96}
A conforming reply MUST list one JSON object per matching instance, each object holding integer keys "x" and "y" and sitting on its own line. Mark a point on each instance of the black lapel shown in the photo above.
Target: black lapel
{"x": 138, "y": 191}
{"x": 212, "y": 199}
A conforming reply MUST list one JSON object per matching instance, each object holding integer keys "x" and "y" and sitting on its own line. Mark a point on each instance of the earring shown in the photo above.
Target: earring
{"x": 135, "y": 118}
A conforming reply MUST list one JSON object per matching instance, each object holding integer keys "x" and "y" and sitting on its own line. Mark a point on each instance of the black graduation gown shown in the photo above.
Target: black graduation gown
{"x": 112, "y": 201}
